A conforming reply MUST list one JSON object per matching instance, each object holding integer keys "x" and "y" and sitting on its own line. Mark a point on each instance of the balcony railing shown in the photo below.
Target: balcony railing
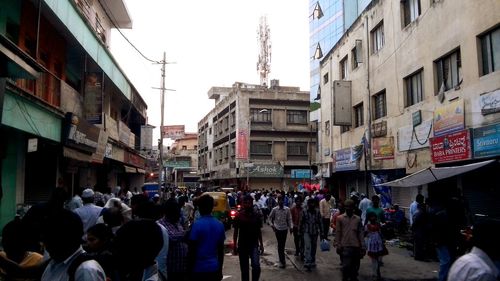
{"x": 92, "y": 18}
{"x": 47, "y": 88}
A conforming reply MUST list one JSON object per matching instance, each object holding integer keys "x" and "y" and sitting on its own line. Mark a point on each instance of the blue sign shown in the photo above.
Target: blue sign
{"x": 300, "y": 174}
{"x": 385, "y": 192}
{"x": 486, "y": 141}
{"x": 346, "y": 159}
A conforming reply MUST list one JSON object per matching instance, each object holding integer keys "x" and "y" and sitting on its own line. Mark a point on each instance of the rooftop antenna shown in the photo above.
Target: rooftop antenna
{"x": 264, "y": 60}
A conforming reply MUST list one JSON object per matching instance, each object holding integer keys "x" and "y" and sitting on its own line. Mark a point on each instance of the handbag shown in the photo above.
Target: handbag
{"x": 324, "y": 245}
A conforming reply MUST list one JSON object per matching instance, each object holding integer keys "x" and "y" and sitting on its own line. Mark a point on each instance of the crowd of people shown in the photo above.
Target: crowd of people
{"x": 137, "y": 236}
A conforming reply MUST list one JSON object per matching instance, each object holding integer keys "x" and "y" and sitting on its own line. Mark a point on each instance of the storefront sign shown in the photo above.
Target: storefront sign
{"x": 487, "y": 141}
{"x": 452, "y": 147}
{"x": 79, "y": 134}
{"x": 98, "y": 156}
{"x": 266, "y": 171}
{"x": 173, "y": 131}
{"x": 177, "y": 164}
{"x": 93, "y": 97}
{"x": 383, "y": 148}
{"x": 490, "y": 102}
{"x": 300, "y": 174}
{"x": 410, "y": 137}
{"x": 449, "y": 118}
{"x": 345, "y": 160}
{"x": 134, "y": 159}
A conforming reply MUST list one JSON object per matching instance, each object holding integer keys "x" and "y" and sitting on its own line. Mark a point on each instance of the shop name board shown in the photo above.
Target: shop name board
{"x": 452, "y": 147}
{"x": 266, "y": 171}
{"x": 79, "y": 134}
{"x": 487, "y": 141}
{"x": 178, "y": 164}
{"x": 346, "y": 160}
{"x": 300, "y": 174}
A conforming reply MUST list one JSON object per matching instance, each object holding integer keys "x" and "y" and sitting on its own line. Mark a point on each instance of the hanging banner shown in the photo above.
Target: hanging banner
{"x": 92, "y": 100}
{"x": 383, "y": 148}
{"x": 452, "y": 147}
{"x": 242, "y": 145}
{"x": 449, "y": 118}
{"x": 173, "y": 131}
{"x": 385, "y": 192}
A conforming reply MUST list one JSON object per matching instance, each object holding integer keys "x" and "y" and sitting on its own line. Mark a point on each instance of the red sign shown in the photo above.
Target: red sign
{"x": 173, "y": 131}
{"x": 452, "y": 147}
{"x": 242, "y": 145}
{"x": 134, "y": 159}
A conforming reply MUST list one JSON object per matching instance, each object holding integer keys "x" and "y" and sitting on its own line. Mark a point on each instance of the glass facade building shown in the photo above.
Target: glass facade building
{"x": 328, "y": 20}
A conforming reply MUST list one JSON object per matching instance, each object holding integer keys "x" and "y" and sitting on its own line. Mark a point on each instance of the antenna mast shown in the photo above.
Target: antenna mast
{"x": 264, "y": 60}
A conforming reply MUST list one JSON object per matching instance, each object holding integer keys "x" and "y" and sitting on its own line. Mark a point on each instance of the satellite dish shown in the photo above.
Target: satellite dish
{"x": 440, "y": 94}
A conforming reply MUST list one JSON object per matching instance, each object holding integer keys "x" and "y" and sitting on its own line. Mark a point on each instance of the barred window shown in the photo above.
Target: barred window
{"x": 414, "y": 89}
{"x": 261, "y": 147}
{"x": 296, "y": 116}
{"x": 379, "y": 105}
{"x": 490, "y": 51}
{"x": 358, "y": 115}
{"x": 297, "y": 148}
{"x": 259, "y": 115}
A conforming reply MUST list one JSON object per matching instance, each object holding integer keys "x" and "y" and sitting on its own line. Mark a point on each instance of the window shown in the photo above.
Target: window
{"x": 414, "y": 89}
{"x": 490, "y": 51}
{"x": 358, "y": 115}
{"x": 261, "y": 147}
{"x": 343, "y": 68}
{"x": 411, "y": 11}
{"x": 379, "y": 105}
{"x": 344, "y": 129}
{"x": 354, "y": 58}
{"x": 297, "y": 148}
{"x": 377, "y": 36}
{"x": 325, "y": 78}
{"x": 449, "y": 71}
{"x": 260, "y": 115}
{"x": 210, "y": 131}
{"x": 184, "y": 147}
{"x": 296, "y": 117}
{"x": 327, "y": 128}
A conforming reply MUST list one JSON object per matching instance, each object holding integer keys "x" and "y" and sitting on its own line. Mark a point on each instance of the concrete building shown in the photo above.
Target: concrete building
{"x": 182, "y": 161}
{"x": 417, "y": 83}
{"x": 69, "y": 115}
{"x": 256, "y": 136}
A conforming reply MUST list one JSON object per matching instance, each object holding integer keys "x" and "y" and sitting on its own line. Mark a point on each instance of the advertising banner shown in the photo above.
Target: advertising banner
{"x": 449, "y": 118}
{"x": 490, "y": 102}
{"x": 92, "y": 99}
{"x": 242, "y": 145}
{"x": 452, "y": 147}
{"x": 173, "y": 131}
{"x": 385, "y": 192}
{"x": 487, "y": 141}
{"x": 346, "y": 160}
{"x": 383, "y": 148}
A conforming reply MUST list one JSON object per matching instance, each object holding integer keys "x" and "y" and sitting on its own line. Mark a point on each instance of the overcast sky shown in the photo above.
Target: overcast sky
{"x": 213, "y": 43}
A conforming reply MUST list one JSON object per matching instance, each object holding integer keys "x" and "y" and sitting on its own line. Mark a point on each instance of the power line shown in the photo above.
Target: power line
{"x": 113, "y": 19}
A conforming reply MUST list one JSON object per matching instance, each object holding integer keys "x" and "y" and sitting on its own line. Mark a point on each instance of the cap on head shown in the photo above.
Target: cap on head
{"x": 87, "y": 193}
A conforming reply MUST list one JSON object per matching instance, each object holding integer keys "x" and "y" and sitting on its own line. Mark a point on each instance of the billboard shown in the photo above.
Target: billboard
{"x": 242, "y": 145}
{"x": 383, "y": 148}
{"x": 449, "y": 118}
{"x": 173, "y": 131}
{"x": 342, "y": 103}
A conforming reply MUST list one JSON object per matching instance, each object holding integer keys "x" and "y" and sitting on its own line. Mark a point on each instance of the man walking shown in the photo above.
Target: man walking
{"x": 324, "y": 209}
{"x": 247, "y": 227}
{"x": 349, "y": 241}
{"x": 89, "y": 212}
{"x": 298, "y": 239}
{"x": 281, "y": 221}
{"x": 364, "y": 204}
{"x": 311, "y": 226}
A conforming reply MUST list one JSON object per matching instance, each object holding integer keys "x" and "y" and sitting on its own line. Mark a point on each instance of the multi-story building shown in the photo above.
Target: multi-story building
{"x": 417, "y": 83}
{"x": 328, "y": 20}
{"x": 182, "y": 161}
{"x": 69, "y": 115}
{"x": 256, "y": 136}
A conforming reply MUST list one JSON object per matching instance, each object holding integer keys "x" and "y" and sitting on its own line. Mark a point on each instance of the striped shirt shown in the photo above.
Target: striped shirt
{"x": 311, "y": 222}
{"x": 281, "y": 218}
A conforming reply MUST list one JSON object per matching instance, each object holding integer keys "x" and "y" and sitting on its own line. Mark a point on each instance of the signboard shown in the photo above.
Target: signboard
{"x": 449, "y": 118}
{"x": 410, "y": 138}
{"x": 98, "y": 156}
{"x": 266, "y": 171}
{"x": 242, "y": 145}
{"x": 79, "y": 134}
{"x": 383, "y": 148}
{"x": 345, "y": 160}
{"x": 92, "y": 100}
{"x": 416, "y": 118}
{"x": 134, "y": 159}
{"x": 486, "y": 141}
{"x": 452, "y": 147}
{"x": 147, "y": 137}
{"x": 173, "y": 131}
{"x": 342, "y": 103}
{"x": 490, "y": 102}
{"x": 300, "y": 174}
{"x": 177, "y": 164}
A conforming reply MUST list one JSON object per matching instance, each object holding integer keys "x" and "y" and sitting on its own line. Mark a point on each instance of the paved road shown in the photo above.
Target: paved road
{"x": 398, "y": 264}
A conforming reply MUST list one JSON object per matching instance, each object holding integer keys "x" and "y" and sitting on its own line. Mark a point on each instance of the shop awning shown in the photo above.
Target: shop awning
{"x": 77, "y": 155}
{"x": 431, "y": 174}
{"x": 130, "y": 170}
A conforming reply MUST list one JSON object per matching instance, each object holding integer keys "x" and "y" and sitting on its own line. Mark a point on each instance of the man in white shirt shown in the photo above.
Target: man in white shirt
{"x": 414, "y": 206}
{"x": 364, "y": 204}
{"x": 326, "y": 213}
{"x": 89, "y": 212}
{"x": 62, "y": 234}
{"x": 478, "y": 264}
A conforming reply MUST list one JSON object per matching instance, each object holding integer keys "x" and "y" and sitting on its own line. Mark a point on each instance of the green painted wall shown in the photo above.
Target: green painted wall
{"x": 72, "y": 20}
{"x": 9, "y": 177}
{"x": 26, "y": 116}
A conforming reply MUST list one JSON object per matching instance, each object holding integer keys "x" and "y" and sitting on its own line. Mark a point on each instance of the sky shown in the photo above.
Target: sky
{"x": 210, "y": 43}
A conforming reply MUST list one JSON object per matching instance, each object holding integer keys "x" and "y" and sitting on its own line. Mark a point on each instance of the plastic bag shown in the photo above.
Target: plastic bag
{"x": 324, "y": 245}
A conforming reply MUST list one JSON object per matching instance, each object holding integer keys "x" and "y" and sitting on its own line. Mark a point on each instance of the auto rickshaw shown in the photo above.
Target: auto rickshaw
{"x": 221, "y": 209}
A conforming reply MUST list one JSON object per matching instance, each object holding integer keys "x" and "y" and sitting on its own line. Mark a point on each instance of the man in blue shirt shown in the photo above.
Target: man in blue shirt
{"x": 206, "y": 244}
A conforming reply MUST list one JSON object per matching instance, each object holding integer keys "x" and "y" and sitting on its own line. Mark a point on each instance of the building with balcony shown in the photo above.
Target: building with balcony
{"x": 256, "y": 137}
{"x": 417, "y": 84}
{"x": 69, "y": 115}
{"x": 182, "y": 162}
